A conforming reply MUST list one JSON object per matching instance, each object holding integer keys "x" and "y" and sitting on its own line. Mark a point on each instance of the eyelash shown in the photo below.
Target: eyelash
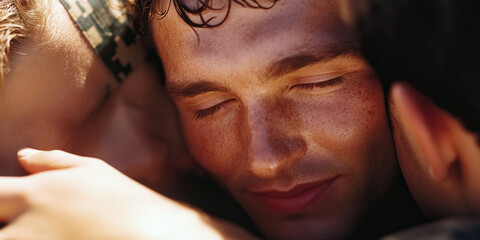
{"x": 200, "y": 114}
{"x": 331, "y": 82}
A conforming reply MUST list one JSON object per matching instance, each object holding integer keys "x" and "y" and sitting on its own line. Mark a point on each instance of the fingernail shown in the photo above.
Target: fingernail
{"x": 27, "y": 152}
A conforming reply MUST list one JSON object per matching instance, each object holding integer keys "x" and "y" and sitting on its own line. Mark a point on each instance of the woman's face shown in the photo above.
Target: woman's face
{"x": 60, "y": 95}
{"x": 56, "y": 82}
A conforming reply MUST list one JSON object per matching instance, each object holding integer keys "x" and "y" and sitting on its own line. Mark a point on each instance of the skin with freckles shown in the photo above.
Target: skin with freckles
{"x": 281, "y": 110}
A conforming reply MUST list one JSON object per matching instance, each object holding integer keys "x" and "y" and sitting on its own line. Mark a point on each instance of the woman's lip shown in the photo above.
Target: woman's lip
{"x": 293, "y": 201}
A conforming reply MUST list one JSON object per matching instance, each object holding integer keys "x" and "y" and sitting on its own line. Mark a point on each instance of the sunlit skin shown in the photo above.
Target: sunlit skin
{"x": 60, "y": 95}
{"x": 55, "y": 83}
{"x": 272, "y": 100}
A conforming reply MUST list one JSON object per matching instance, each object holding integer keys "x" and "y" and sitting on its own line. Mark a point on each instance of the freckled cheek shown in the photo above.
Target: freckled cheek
{"x": 345, "y": 123}
{"x": 215, "y": 145}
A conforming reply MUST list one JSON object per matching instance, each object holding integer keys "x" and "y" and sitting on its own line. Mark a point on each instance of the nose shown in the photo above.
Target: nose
{"x": 274, "y": 143}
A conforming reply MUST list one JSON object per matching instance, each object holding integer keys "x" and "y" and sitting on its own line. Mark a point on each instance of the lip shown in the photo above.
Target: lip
{"x": 296, "y": 200}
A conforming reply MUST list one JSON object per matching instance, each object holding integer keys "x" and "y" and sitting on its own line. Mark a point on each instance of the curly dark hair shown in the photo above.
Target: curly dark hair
{"x": 142, "y": 11}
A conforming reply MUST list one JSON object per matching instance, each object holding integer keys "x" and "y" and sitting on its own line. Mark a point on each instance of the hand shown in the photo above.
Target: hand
{"x": 73, "y": 197}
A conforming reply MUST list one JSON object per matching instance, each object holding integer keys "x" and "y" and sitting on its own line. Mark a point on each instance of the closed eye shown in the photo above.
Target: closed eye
{"x": 200, "y": 114}
{"x": 322, "y": 84}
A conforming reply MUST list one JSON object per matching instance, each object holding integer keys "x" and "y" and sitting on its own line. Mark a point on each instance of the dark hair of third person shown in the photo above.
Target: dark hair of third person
{"x": 431, "y": 44}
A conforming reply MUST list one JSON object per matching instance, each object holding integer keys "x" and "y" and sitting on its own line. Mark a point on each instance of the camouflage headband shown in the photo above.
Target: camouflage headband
{"x": 106, "y": 26}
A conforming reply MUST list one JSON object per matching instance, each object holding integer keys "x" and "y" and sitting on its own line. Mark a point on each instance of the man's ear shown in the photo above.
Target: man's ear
{"x": 427, "y": 129}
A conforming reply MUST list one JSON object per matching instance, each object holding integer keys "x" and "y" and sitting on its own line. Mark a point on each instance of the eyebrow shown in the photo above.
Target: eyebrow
{"x": 184, "y": 89}
{"x": 293, "y": 63}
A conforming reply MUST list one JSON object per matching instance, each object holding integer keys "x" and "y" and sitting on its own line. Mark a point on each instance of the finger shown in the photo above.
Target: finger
{"x": 11, "y": 232}
{"x": 34, "y": 161}
{"x": 12, "y": 197}
{"x": 19, "y": 230}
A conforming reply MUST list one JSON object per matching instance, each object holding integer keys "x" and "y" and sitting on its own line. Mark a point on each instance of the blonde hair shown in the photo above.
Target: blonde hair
{"x": 17, "y": 17}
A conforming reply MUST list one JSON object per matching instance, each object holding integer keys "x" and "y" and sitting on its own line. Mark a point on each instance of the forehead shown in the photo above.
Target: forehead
{"x": 250, "y": 38}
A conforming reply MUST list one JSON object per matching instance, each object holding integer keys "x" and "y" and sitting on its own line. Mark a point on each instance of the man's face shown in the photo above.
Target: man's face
{"x": 280, "y": 110}
{"x": 55, "y": 84}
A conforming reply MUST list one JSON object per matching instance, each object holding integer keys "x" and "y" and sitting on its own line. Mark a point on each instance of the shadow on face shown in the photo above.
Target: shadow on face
{"x": 281, "y": 110}
{"x": 430, "y": 46}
